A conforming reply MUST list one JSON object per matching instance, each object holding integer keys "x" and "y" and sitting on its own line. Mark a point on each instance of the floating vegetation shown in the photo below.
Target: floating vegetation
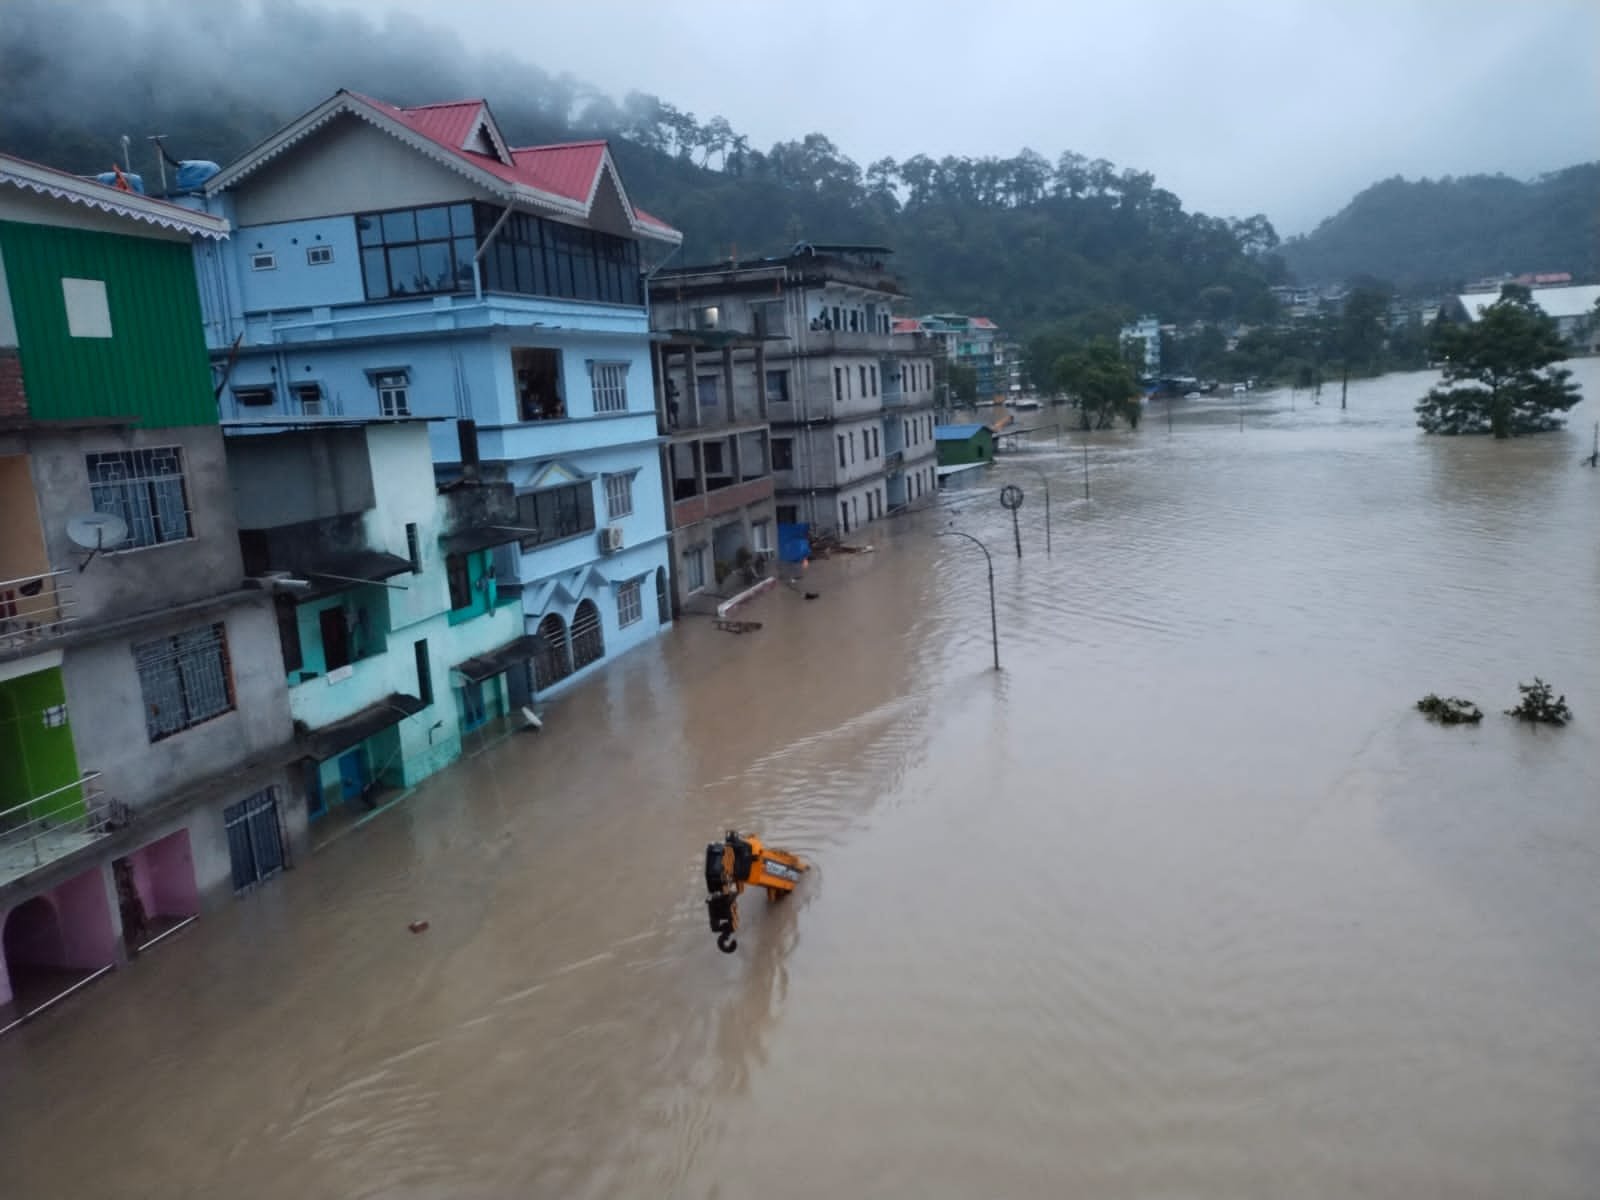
{"x": 1541, "y": 704}
{"x": 1450, "y": 710}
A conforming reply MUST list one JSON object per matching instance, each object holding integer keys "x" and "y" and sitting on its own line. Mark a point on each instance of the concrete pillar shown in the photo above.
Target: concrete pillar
{"x": 691, "y": 395}
{"x": 761, "y": 379}
{"x": 727, "y": 382}
{"x": 699, "y": 469}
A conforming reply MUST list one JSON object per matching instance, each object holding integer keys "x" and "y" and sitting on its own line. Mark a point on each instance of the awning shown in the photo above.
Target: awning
{"x": 322, "y": 744}
{"x": 469, "y": 541}
{"x": 351, "y": 570}
{"x": 487, "y": 666}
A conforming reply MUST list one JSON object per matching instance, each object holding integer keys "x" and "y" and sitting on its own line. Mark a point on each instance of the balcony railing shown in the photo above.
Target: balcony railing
{"x": 50, "y": 826}
{"x": 34, "y": 609}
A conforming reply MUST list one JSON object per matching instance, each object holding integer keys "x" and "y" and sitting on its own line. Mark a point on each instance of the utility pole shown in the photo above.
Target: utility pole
{"x": 1011, "y": 499}
{"x": 161, "y": 158}
{"x": 994, "y": 622}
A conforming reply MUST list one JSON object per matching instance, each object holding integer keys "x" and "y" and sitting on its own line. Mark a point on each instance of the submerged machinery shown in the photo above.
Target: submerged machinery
{"x": 738, "y": 861}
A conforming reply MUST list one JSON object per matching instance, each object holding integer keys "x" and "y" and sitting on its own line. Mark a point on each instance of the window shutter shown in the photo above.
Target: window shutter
{"x": 289, "y": 633}
{"x": 585, "y": 507}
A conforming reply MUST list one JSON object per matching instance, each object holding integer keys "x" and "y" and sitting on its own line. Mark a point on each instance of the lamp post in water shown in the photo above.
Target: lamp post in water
{"x": 1011, "y": 499}
{"x": 994, "y": 623}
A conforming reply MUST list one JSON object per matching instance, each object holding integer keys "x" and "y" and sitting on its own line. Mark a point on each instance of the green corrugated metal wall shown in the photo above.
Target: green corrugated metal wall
{"x": 154, "y": 366}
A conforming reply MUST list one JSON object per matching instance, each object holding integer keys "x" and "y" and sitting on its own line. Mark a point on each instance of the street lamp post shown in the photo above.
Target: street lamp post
{"x": 994, "y": 623}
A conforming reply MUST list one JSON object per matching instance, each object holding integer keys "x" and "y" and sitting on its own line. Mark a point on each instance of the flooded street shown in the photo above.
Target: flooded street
{"x": 1185, "y": 901}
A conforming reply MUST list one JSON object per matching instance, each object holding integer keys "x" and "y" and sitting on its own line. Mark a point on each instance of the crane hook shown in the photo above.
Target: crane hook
{"x": 726, "y": 942}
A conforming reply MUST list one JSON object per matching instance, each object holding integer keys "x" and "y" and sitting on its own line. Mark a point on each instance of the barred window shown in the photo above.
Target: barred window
{"x": 619, "y": 496}
{"x": 393, "y": 398}
{"x": 144, "y": 488}
{"x": 630, "y": 603}
{"x": 184, "y": 680}
{"x": 610, "y": 382}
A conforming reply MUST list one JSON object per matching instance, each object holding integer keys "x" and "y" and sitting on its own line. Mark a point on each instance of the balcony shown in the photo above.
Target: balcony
{"x": 719, "y": 500}
{"x": 34, "y": 610}
{"x": 840, "y": 341}
{"x": 59, "y": 822}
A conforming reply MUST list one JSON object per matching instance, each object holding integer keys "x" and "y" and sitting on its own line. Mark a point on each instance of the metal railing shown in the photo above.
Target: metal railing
{"x": 34, "y": 608}
{"x": 30, "y": 837}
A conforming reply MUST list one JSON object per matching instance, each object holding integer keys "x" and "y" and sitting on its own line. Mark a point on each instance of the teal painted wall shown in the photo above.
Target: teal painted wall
{"x": 367, "y": 638}
{"x": 153, "y": 367}
{"x": 36, "y": 758}
{"x": 483, "y": 592}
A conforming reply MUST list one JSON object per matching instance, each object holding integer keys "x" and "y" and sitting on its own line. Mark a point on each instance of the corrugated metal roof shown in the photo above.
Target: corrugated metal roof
{"x": 1557, "y": 302}
{"x": 450, "y": 123}
{"x": 564, "y": 170}
{"x": 19, "y": 172}
{"x": 907, "y": 325}
{"x": 956, "y": 433}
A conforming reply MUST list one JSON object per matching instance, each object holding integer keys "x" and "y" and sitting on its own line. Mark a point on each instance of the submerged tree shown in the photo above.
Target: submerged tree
{"x": 1500, "y": 375}
{"x": 1102, "y": 383}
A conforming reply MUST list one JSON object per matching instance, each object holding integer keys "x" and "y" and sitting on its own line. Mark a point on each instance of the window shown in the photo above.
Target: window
{"x": 474, "y": 712}
{"x": 264, "y": 261}
{"x": 460, "y": 579}
{"x": 838, "y": 385}
{"x": 842, "y": 462}
{"x": 711, "y": 452}
{"x": 424, "y": 671}
{"x": 144, "y": 488}
{"x": 255, "y": 840}
{"x": 417, "y": 251}
{"x": 255, "y": 397}
{"x": 837, "y": 323}
{"x": 874, "y": 380}
{"x": 694, "y": 568}
{"x": 538, "y": 380}
{"x": 319, "y": 256}
{"x": 783, "y": 454}
{"x": 619, "y": 495}
{"x": 393, "y": 400}
{"x": 555, "y": 513}
{"x": 588, "y": 640}
{"x": 855, "y": 320}
{"x": 844, "y": 515}
{"x": 788, "y": 514}
{"x": 705, "y": 387}
{"x": 414, "y": 548}
{"x": 761, "y": 537}
{"x": 310, "y": 397}
{"x": 852, "y": 445}
{"x": 777, "y": 387}
{"x": 769, "y": 318}
{"x": 551, "y": 662}
{"x": 184, "y": 680}
{"x": 863, "y": 373}
{"x": 535, "y": 257}
{"x": 610, "y": 383}
{"x": 630, "y": 603}
{"x": 708, "y": 317}
{"x": 88, "y": 311}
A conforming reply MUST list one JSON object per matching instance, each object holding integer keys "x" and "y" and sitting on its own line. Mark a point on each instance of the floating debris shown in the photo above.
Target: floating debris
{"x": 1539, "y": 703}
{"x": 728, "y": 626}
{"x": 418, "y": 926}
{"x": 1450, "y": 710}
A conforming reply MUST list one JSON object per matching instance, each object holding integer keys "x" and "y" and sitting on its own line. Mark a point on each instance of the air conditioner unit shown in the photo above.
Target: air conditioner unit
{"x": 611, "y": 539}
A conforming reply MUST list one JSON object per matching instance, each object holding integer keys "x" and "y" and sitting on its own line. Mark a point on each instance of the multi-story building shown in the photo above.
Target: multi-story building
{"x": 396, "y": 640}
{"x": 393, "y": 262}
{"x": 850, "y": 402}
{"x": 145, "y": 734}
{"x": 973, "y": 343}
{"x": 1146, "y": 331}
{"x": 712, "y": 407}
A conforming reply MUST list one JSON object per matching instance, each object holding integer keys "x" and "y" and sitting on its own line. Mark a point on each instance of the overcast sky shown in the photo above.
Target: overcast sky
{"x": 1286, "y": 107}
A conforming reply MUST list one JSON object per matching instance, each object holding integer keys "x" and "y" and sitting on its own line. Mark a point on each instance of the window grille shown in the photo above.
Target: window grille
{"x": 144, "y": 488}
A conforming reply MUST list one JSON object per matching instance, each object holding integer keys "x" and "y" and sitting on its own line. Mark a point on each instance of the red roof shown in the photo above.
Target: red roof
{"x": 907, "y": 325}
{"x": 567, "y": 170}
{"x": 982, "y": 323}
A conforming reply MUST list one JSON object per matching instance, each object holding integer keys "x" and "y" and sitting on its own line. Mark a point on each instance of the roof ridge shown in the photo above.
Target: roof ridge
{"x": 562, "y": 145}
{"x": 440, "y": 104}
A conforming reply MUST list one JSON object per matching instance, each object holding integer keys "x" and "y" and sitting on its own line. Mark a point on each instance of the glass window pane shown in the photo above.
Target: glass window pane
{"x": 504, "y": 276}
{"x": 461, "y": 220}
{"x": 524, "y": 268}
{"x": 405, "y": 271}
{"x": 372, "y": 262}
{"x": 433, "y": 223}
{"x": 438, "y": 275}
{"x": 369, "y": 230}
{"x": 400, "y": 226}
{"x": 464, "y": 251}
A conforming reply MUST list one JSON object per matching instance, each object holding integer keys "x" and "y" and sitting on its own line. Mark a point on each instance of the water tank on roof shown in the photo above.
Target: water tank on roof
{"x": 193, "y": 174}
{"x": 109, "y": 178}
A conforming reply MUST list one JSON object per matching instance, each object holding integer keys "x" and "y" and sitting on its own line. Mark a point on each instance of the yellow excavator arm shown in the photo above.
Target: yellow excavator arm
{"x": 740, "y": 860}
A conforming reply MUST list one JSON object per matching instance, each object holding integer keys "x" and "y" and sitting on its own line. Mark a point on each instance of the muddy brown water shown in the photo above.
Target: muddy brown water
{"x": 1185, "y": 901}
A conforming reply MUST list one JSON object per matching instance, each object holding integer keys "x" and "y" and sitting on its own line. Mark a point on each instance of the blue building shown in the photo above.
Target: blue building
{"x": 394, "y": 264}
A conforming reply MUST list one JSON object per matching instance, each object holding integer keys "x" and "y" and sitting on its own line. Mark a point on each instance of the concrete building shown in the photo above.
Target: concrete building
{"x": 145, "y": 735}
{"x": 973, "y": 343}
{"x": 395, "y": 638}
{"x": 393, "y": 262}
{"x": 712, "y": 407}
{"x": 1572, "y": 309}
{"x": 849, "y": 401}
{"x": 1147, "y": 331}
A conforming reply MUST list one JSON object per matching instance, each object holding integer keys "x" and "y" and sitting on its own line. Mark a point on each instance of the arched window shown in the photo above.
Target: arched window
{"x": 551, "y": 663}
{"x": 588, "y": 639}
{"x": 663, "y": 601}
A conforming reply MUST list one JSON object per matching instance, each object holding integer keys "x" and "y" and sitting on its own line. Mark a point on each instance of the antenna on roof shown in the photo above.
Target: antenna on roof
{"x": 161, "y": 158}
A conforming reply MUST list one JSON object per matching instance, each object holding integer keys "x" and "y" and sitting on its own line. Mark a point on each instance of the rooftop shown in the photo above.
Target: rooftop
{"x": 957, "y": 433}
{"x": 135, "y": 206}
{"x": 1557, "y": 302}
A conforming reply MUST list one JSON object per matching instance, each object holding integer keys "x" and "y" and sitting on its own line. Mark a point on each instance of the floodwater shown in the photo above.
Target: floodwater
{"x": 1185, "y": 901}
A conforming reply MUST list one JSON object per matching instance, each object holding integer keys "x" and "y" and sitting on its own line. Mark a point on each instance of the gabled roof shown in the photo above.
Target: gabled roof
{"x": 907, "y": 325}
{"x": 47, "y": 181}
{"x": 1557, "y": 302}
{"x": 982, "y": 323}
{"x": 957, "y": 433}
{"x": 463, "y": 136}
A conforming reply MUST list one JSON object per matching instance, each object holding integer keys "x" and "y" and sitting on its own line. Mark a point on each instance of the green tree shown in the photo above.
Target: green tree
{"x": 1357, "y": 336}
{"x": 1101, "y": 383}
{"x": 1500, "y": 375}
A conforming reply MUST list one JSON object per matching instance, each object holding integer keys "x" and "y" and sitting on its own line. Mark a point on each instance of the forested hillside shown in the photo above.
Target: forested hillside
{"x": 1432, "y": 234}
{"x": 1027, "y": 239}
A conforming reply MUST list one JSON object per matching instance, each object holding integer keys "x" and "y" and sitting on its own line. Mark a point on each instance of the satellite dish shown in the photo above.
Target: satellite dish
{"x": 95, "y": 532}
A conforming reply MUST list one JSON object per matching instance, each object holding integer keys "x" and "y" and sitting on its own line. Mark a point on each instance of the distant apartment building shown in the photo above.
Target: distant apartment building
{"x": 395, "y": 263}
{"x": 145, "y": 735}
{"x": 849, "y": 402}
{"x": 1147, "y": 331}
{"x": 974, "y": 343}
